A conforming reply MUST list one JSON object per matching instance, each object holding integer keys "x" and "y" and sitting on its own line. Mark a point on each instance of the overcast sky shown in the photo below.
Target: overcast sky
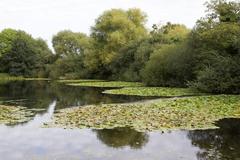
{"x": 44, "y": 18}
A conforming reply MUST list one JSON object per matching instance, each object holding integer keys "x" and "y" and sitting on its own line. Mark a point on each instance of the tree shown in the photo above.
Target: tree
{"x": 22, "y": 55}
{"x": 170, "y": 63}
{"x": 46, "y": 57}
{"x": 70, "y": 49}
{"x": 132, "y": 58}
{"x": 7, "y": 36}
{"x": 67, "y": 43}
{"x": 223, "y": 11}
{"x": 216, "y": 40}
{"x": 113, "y": 30}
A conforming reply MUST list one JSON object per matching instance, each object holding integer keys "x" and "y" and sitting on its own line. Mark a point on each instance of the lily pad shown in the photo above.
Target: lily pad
{"x": 107, "y": 84}
{"x": 153, "y": 91}
{"x": 181, "y": 113}
{"x": 12, "y": 114}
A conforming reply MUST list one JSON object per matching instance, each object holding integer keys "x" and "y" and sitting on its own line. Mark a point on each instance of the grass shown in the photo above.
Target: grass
{"x": 153, "y": 91}
{"x": 107, "y": 84}
{"x": 182, "y": 113}
{"x": 12, "y": 115}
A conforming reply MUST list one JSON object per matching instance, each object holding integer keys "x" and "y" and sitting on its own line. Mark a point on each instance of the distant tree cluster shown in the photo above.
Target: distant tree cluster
{"x": 22, "y": 55}
{"x": 121, "y": 48}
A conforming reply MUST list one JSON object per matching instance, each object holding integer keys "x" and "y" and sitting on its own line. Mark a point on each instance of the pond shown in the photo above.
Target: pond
{"x": 29, "y": 141}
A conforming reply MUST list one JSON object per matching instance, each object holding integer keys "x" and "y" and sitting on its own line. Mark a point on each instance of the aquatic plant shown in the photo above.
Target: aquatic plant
{"x": 153, "y": 91}
{"x": 180, "y": 113}
{"x": 110, "y": 84}
{"x": 13, "y": 114}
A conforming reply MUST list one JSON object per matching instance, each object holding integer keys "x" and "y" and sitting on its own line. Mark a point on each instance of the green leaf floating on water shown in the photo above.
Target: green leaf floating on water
{"x": 181, "y": 113}
{"x": 153, "y": 91}
{"x": 110, "y": 84}
{"x": 12, "y": 114}
{"x": 79, "y": 80}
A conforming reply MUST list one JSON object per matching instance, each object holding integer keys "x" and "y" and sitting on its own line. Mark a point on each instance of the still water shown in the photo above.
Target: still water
{"x": 28, "y": 141}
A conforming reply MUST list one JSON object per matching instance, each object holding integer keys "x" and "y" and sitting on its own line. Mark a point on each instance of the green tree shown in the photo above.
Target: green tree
{"x": 67, "y": 43}
{"x": 171, "y": 66}
{"x": 216, "y": 40}
{"x": 223, "y": 11}
{"x": 70, "y": 49}
{"x": 170, "y": 63}
{"x": 7, "y": 36}
{"x": 22, "y": 58}
{"x": 23, "y": 55}
{"x": 113, "y": 30}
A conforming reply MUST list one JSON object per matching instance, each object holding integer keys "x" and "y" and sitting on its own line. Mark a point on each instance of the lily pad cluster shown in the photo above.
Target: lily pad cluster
{"x": 110, "y": 84}
{"x": 132, "y": 88}
{"x": 79, "y": 80}
{"x": 153, "y": 91}
{"x": 180, "y": 113}
{"x": 12, "y": 115}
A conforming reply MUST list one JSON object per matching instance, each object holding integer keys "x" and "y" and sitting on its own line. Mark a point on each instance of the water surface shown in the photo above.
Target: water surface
{"x": 28, "y": 141}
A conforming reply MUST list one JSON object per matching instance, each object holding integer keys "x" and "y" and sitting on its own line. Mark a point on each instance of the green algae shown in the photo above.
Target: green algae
{"x": 180, "y": 113}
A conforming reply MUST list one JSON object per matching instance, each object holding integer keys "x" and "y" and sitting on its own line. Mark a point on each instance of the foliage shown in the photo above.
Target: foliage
{"x": 22, "y": 55}
{"x": 171, "y": 66}
{"x": 113, "y": 30}
{"x": 221, "y": 76}
{"x": 70, "y": 48}
{"x": 223, "y": 10}
{"x": 183, "y": 113}
{"x": 128, "y": 64}
{"x": 70, "y": 43}
{"x": 215, "y": 41}
{"x": 6, "y": 40}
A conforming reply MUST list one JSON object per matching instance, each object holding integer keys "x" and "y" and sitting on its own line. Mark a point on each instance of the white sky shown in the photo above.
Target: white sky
{"x": 44, "y": 18}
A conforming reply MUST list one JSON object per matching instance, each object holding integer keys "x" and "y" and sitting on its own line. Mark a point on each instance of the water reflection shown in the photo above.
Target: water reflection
{"x": 29, "y": 141}
{"x": 122, "y": 137}
{"x": 40, "y": 119}
{"x": 222, "y": 143}
{"x": 38, "y": 94}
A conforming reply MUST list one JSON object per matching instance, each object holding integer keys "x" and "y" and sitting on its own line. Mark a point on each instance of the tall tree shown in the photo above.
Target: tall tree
{"x": 22, "y": 55}
{"x": 216, "y": 40}
{"x": 70, "y": 48}
{"x": 113, "y": 30}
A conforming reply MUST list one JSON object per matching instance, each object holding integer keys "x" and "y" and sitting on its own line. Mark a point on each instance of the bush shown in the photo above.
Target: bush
{"x": 222, "y": 75}
{"x": 170, "y": 66}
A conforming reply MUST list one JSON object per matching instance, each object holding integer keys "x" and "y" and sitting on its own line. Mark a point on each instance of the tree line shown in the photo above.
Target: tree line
{"x": 120, "y": 47}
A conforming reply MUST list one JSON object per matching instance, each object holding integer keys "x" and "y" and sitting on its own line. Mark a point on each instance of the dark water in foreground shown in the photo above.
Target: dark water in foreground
{"x": 29, "y": 141}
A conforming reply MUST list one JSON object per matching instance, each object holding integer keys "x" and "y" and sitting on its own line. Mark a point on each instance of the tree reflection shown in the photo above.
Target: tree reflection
{"x": 121, "y": 137}
{"x": 39, "y": 94}
{"x": 222, "y": 143}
